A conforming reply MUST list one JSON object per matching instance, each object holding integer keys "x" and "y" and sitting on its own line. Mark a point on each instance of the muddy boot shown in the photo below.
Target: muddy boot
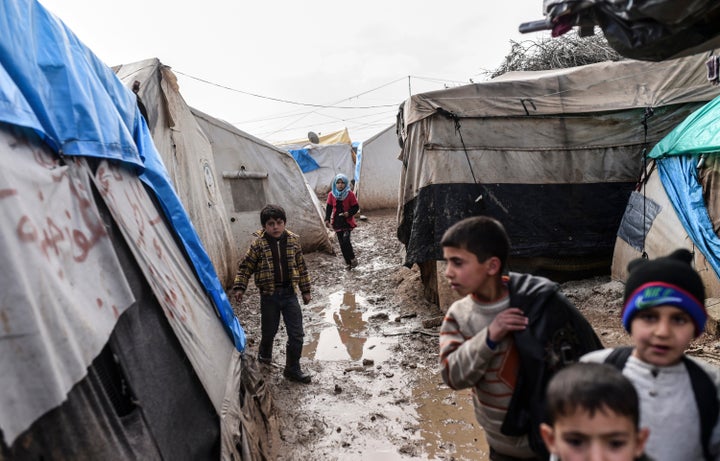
{"x": 292, "y": 367}
{"x": 294, "y": 373}
{"x": 265, "y": 352}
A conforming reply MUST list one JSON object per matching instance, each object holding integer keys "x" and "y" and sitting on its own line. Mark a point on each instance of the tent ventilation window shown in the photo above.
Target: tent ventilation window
{"x": 248, "y": 192}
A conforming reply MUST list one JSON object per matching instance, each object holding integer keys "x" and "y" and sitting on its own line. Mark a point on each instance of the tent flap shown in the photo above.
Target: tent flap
{"x": 637, "y": 219}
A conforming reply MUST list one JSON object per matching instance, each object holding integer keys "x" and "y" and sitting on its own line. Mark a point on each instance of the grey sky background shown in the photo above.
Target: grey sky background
{"x": 280, "y": 69}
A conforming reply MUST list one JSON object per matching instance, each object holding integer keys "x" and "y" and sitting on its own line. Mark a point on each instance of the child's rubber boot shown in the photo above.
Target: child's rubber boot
{"x": 296, "y": 374}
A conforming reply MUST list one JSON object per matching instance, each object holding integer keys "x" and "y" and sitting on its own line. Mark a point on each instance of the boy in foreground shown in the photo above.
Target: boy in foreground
{"x": 505, "y": 338}
{"x": 593, "y": 415}
{"x": 276, "y": 259}
{"x": 664, "y": 311}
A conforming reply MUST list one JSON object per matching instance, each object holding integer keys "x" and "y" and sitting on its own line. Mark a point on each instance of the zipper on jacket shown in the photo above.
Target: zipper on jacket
{"x": 280, "y": 266}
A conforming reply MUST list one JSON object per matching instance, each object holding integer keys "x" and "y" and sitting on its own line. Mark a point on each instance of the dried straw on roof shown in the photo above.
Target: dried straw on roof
{"x": 545, "y": 53}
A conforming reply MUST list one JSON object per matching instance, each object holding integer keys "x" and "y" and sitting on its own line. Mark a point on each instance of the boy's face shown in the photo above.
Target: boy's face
{"x": 661, "y": 334}
{"x": 605, "y": 436}
{"x": 468, "y": 275}
{"x": 275, "y": 227}
{"x": 340, "y": 185}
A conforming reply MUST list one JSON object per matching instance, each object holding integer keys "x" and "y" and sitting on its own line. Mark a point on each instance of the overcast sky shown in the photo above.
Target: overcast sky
{"x": 277, "y": 69}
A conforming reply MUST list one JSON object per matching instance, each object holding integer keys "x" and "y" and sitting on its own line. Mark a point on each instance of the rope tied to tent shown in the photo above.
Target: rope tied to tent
{"x": 456, "y": 120}
{"x": 645, "y": 176}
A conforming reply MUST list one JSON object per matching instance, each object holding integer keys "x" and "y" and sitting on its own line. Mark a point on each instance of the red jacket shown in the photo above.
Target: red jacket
{"x": 335, "y": 207}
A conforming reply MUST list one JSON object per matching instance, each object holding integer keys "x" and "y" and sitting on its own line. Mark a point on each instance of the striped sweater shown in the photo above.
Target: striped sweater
{"x": 468, "y": 362}
{"x": 258, "y": 260}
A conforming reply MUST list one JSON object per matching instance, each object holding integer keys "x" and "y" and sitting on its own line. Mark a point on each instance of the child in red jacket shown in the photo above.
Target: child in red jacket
{"x": 342, "y": 206}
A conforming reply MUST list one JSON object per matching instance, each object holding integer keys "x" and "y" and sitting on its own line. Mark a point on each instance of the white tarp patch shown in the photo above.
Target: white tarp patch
{"x": 186, "y": 305}
{"x": 62, "y": 289}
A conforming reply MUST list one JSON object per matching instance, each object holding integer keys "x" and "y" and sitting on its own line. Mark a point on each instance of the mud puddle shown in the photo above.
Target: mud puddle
{"x": 376, "y": 392}
{"x": 354, "y": 343}
{"x": 447, "y": 421}
{"x": 344, "y": 333}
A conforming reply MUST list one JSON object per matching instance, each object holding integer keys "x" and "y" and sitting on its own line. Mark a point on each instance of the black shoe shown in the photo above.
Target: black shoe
{"x": 298, "y": 376}
{"x": 265, "y": 360}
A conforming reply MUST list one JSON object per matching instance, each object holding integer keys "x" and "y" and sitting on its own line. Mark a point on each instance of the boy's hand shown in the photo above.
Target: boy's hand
{"x": 306, "y": 298}
{"x": 238, "y": 296}
{"x": 509, "y": 320}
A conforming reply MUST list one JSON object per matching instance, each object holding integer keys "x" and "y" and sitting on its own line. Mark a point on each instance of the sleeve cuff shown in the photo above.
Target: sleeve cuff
{"x": 490, "y": 343}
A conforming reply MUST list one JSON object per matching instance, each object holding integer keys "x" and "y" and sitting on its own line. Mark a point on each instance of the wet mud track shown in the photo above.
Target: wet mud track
{"x": 376, "y": 392}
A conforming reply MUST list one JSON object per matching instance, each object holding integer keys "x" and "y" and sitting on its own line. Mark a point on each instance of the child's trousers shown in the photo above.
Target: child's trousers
{"x": 282, "y": 302}
{"x": 345, "y": 245}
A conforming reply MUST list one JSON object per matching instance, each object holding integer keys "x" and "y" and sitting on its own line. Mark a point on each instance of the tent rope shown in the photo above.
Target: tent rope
{"x": 456, "y": 121}
{"x": 648, "y": 113}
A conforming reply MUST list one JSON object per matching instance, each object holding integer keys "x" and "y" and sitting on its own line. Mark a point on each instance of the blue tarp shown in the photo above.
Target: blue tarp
{"x": 358, "y": 146}
{"x": 677, "y": 158}
{"x": 304, "y": 159}
{"x": 678, "y": 175}
{"x": 52, "y": 83}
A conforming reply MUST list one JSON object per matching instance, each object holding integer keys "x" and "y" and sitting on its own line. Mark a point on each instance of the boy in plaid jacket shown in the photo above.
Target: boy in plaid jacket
{"x": 275, "y": 258}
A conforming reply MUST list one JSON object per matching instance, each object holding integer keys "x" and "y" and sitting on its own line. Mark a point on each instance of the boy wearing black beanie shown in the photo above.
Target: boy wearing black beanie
{"x": 664, "y": 310}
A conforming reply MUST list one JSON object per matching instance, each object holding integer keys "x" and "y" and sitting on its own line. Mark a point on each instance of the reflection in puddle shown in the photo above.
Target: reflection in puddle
{"x": 346, "y": 336}
{"x": 444, "y": 420}
{"x": 447, "y": 420}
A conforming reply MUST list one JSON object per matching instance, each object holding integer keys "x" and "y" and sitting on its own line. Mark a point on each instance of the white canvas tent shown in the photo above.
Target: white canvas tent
{"x": 321, "y": 162}
{"x": 651, "y": 226}
{"x": 553, "y": 155}
{"x": 118, "y": 341}
{"x": 254, "y": 173}
{"x": 379, "y": 170}
{"x": 188, "y": 156}
{"x": 678, "y": 201}
{"x": 90, "y": 332}
{"x": 331, "y": 159}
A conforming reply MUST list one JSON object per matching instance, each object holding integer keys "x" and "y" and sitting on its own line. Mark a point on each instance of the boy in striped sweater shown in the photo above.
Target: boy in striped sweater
{"x": 505, "y": 338}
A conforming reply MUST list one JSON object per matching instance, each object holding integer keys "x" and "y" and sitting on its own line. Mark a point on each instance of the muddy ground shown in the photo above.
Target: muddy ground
{"x": 376, "y": 393}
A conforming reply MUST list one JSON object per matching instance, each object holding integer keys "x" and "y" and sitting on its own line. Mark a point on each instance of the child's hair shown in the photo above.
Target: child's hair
{"x": 591, "y": 387}
{"x": 481, "y": 235}
{"x": 272, "y": 212}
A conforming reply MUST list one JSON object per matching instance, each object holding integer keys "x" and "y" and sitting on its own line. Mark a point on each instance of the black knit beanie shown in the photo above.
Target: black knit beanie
{"x": 665, "y": 281}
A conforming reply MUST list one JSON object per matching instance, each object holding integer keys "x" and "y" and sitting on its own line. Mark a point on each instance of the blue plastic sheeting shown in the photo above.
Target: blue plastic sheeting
{"x": 358, "y": 160}
{"x": 305, "y": 160}
{"x": 677, "y": 157}
{"x": 678, "y": 175}
{"x": 52, "y": 83}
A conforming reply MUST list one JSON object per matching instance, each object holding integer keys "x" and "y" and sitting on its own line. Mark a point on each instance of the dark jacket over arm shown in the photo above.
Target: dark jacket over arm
{"x": 557, "y": 335}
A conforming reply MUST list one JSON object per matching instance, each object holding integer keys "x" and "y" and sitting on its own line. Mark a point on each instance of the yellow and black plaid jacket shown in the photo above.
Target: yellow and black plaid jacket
{"x": 258, "y": 260}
